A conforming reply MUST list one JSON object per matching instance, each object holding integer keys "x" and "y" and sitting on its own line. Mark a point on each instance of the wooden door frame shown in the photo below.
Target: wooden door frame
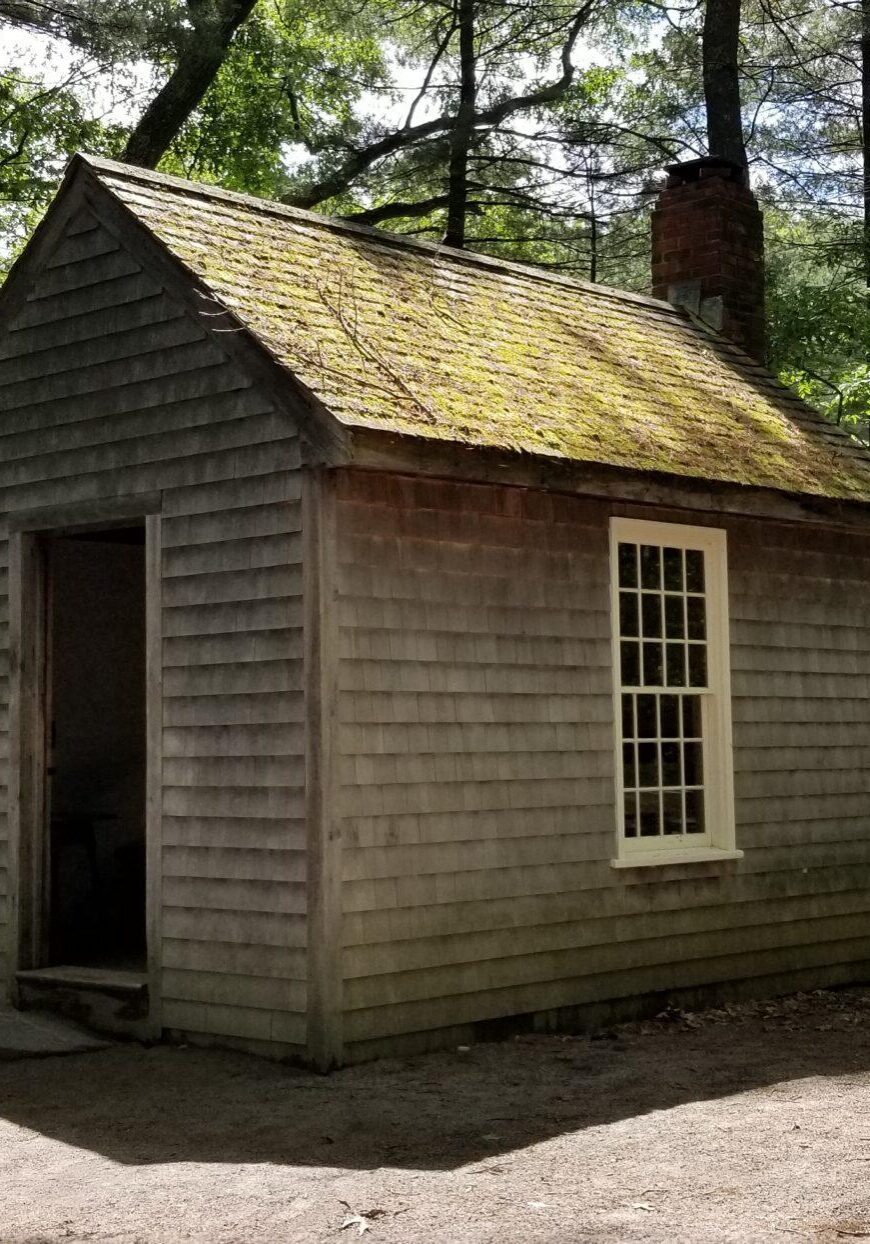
{"x": 28, "y": 725}
{"x": 28, "y": 838}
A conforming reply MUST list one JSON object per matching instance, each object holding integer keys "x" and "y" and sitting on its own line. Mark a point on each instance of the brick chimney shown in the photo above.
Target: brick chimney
{"x": 708, "y": 249}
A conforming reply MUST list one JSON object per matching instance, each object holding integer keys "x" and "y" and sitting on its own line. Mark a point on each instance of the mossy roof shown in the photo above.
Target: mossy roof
{"x": 417, "y": 339}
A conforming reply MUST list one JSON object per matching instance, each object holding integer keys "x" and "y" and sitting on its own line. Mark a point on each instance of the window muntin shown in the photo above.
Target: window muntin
{"x": 672, "y": 710}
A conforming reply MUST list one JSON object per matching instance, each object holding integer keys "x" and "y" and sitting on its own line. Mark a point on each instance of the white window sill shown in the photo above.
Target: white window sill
{"x": 701, "y": 855}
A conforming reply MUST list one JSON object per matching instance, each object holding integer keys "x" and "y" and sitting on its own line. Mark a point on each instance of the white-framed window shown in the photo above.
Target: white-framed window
{"x": 672, "y": 705}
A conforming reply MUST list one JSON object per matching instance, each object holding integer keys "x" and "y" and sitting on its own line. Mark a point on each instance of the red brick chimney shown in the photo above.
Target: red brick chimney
{"x": 708, "y": 249}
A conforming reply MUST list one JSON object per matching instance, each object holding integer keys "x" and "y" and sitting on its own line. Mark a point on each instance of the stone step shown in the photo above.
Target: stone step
{"x": 108, "y": 1000}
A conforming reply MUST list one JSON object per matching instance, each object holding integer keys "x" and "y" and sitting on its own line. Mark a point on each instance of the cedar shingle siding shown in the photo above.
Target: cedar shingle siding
{"x": 477, "y": 761}
{"x": 110, "y": 389}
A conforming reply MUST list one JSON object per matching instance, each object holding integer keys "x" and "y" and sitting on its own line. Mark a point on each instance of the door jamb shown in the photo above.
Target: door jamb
{"x": 28, "y": 836}
{"x": 154, "y": 769}
{"x": 28, "y": 753}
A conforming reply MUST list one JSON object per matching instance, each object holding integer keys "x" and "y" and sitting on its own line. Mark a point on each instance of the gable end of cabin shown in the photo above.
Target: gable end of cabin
{"x": 153, "y": 481}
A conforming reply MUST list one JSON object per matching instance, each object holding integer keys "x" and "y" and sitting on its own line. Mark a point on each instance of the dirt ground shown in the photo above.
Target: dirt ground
{"x": 751, "y": 1124}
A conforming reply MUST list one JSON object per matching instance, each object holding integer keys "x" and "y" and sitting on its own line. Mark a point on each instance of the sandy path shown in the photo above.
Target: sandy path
{"x": 748, "y": 1126}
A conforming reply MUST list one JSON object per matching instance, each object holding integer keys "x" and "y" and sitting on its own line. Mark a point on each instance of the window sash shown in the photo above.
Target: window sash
{"x": 712, "y": 694}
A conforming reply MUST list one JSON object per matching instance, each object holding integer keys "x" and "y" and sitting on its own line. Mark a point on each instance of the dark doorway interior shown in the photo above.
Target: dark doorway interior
{"x": 97, "y": 758}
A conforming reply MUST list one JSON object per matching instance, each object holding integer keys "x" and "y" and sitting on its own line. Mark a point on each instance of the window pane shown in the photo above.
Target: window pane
{"x": 691, "y": 717}
{"x": 628, "y": 716}
{"x": 672, "y": 810}
{"x": 694, "y": 812}
{"x": 673, "y": 566}
{"x": 663, "y": 632}
{"x": 652, "y": 665}
{"x": 646, "y": 717}
{"x": 649, "y": 814}
{"x": 630, "y": 658}
{"x": 648, "y": 764}
{"x": 676, "y": 665}
{"x": 630, "y": 815}
{"x": 669, "y": 706}
{"x": 670, "y": 764}
{"x": 697, "y": 621}
{"x": 693, "y": 768}
{"x": 628, "y": 565}
{"x": 675, "y": 627}
{"x": 694, "y": 570}
{"x": 650, "y": 565}
{"x": 697, "y": 665}
{"x": 628, "y": 770}
{"x": 652, "y": 615}
{"x": 628, "y": 613}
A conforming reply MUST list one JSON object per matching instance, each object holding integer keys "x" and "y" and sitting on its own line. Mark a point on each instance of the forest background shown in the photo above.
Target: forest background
{"x": 534, "y": 130}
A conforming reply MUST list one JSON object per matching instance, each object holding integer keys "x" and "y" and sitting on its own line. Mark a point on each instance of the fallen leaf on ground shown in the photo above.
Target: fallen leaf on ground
{"x": 362, "y": 1221}
{"x": 355, "y": 1220}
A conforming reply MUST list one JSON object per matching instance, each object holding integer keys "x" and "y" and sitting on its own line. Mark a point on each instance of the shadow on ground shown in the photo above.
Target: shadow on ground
{"x": 437, "y": 1112}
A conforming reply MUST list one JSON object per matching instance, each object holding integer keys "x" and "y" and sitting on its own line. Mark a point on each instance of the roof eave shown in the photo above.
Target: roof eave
{"x": 375, "y": 449}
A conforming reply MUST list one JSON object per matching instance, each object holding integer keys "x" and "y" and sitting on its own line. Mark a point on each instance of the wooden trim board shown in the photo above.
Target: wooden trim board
{"x": 154, "y": 767}
{"x": 84, "y": 515}
{"x": 27, "y": 829}
{"x": 452, "y": 462}
{"x": 324, "y": 843}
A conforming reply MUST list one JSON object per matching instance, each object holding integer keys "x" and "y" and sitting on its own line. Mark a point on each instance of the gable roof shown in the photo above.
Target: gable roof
{"x": 417, "y": 339}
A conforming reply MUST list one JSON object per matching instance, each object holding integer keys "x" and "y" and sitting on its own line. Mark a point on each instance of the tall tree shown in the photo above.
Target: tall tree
{"x": 462, "y": 115}
{"x": 202, "y": 50}
{"x": 865, "y": 134}
{"x": 104, "y": 28}
{"x": 720, "y": 48}
{"x": 462, "y": 134}
{"x": 195, "y": 35}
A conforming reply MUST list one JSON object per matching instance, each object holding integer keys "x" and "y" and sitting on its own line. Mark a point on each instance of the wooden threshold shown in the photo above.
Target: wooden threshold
{"x": 120, "y": 982}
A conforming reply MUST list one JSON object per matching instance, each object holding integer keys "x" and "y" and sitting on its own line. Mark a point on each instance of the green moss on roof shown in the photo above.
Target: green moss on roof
{"x": 440, "y": 344}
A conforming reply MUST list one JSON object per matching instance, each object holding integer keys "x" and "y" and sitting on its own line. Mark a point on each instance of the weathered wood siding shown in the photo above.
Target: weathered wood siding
{"x": 109, "y": 388}
{"x": 476, "y": 754}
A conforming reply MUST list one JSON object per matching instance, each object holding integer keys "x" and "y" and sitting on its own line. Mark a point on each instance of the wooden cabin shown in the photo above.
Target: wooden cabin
{"x": 405, "y": 644}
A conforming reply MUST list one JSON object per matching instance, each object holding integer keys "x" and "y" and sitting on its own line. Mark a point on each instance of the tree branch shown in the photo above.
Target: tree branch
{"x": 201, "y": 56}
{"x": 359, "y": 161}
{"x": 393, "y": 211}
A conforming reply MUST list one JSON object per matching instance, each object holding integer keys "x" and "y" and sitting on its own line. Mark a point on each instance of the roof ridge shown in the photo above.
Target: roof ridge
{"x": 271, "y": 207}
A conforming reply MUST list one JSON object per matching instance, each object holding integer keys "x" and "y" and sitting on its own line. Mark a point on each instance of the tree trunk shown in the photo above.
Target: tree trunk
{"x": 462, "y": 134}
{"x": 359, "y": 161}
{"x": 721, "y": 80}
{"x": 593, "y": 227}
{"x": 201, "y": 56}
{"x": 865, "y": 132}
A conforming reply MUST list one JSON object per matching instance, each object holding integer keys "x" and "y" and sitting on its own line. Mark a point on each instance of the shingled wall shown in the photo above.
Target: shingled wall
{"x": 110, "y": 388}
{"x": 476, "y": 761}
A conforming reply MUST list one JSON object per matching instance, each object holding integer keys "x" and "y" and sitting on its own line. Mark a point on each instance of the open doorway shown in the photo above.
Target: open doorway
{"x": 96, "y": 748}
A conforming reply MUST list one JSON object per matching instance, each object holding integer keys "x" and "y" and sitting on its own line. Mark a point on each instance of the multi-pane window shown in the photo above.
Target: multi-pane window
{"x": 670, "y": 649}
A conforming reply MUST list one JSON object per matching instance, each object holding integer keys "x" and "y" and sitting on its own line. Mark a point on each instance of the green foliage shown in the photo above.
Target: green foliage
{"x": 40, "y": 128}
{"x": 819, "y": 314}
{"x": 294, "y": 70}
